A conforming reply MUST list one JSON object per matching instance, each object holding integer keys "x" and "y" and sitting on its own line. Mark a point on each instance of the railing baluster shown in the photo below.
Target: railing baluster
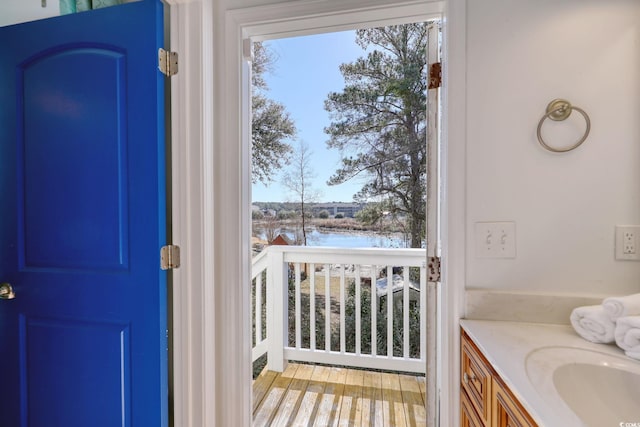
{"x": 374, "y": 310}
{"x": 312, "y": 307}
{"x": 298, "y": 307}
{"x": 358, "y": 311}
{"x": 405, "y": 311}
{"x": 343, "y": 345}
{"x": 423, "y": 313}
{"x": 389, "y": 311}
{"x": 258, "y": 308}
{"x": 327, "y": 307}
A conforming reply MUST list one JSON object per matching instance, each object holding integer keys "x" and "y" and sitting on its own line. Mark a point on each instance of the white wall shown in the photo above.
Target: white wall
{"x": 521, "y": 54}
{"x": 16, "y": 11}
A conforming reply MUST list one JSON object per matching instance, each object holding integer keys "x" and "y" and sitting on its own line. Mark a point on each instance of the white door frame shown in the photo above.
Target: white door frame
{"x": 211, "y": 193}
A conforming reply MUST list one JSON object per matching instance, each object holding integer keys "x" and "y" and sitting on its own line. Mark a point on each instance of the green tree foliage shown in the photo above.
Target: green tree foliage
{"x": 271, "y": 125}
{"x": 371, "y": 214}
{"x": 323, "y": 214}
{"x": 286, "y": 214}
{"x": 378, "y": 122}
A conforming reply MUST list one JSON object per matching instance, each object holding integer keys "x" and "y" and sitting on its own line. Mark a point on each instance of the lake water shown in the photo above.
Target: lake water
{"x": 352, "y": 239}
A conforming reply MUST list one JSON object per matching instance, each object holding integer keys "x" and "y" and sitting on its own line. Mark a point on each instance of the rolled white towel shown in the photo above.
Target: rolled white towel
{"x": 622, "y": 306}
{"x": 628, "y": 334}
{"x": 633, "y": 354}
{"x": 593, "y": 324}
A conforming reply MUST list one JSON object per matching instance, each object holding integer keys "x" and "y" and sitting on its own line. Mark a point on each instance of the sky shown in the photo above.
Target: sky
{"x": 305, "y": 71}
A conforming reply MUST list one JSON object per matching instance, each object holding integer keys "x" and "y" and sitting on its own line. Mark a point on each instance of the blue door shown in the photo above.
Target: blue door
{"x": 82, "y": 220}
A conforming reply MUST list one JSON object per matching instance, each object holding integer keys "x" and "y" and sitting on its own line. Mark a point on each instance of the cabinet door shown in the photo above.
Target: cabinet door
{"x": 468, "y": 416}
{"x": 506, "y": 411}
{"x": 476, "y": 379}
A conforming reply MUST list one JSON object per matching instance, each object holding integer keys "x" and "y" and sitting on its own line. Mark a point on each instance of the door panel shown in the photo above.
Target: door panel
{"x": 49, "y": 370}
{"x": 82, "y": 186}
{"x": 91, "y": 226}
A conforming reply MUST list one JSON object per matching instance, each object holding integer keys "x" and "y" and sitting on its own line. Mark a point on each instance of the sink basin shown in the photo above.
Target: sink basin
{"x": 601, "y": 389}
{"x": 599, "y": 395}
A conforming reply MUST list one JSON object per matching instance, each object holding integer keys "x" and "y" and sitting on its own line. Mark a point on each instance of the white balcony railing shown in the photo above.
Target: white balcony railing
{"x": 350, "y": 289}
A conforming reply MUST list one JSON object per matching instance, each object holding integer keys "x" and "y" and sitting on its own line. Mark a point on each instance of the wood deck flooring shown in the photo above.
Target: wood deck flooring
{"x": 308, "y": 395}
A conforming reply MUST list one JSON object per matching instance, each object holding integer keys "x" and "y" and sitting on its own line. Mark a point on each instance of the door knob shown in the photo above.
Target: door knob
{"x": 6, "y": 291}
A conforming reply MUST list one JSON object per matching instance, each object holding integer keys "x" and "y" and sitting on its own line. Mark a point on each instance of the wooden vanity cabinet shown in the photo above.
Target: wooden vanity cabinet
{"x": 505, "y": 409}
{"x": 468, "y": 416}
{"x": 485, "y": 401}
{"x": 475, "y": 379}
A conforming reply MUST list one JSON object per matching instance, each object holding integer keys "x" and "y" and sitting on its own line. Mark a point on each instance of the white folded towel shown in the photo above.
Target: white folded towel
{"x": 628, "y": 334}
{"x": 593, "y": 324}
{"x": 633, "y": 354}
{"x": 622, "y": 306}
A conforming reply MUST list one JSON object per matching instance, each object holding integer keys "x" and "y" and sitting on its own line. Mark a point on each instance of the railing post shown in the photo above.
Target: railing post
{"x": 277, "y": 310}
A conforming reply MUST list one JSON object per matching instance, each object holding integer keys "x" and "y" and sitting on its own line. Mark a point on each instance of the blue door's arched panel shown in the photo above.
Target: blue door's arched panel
{"x": 51, "y": 365}
{"x": 73, "y": 110}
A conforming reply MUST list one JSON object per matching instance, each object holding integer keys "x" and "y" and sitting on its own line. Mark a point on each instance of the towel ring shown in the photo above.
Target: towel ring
{"x": 558, "y": 110}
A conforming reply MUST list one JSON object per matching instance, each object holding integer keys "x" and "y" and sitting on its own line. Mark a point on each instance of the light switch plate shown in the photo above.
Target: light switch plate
{"x": 495, "y": 239}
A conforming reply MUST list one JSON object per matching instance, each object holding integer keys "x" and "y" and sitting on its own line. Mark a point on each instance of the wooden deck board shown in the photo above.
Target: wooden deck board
{"x": 308, "y": 395}
{"x": 350, "y": 413}
{"x": 372, "y": 400}
{"x": 393, "y": 409}
{"x": 263, "y": 415}
{"x": 415, "y": 409}
{"x": 292, "y": 399}
{"x": 261, "y": 386}
{"x": 329, "y": 410}
{"x": 313, "y": 396}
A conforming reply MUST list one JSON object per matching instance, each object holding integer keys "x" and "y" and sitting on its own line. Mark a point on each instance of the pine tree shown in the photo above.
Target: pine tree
{"x": 379, "y": 122}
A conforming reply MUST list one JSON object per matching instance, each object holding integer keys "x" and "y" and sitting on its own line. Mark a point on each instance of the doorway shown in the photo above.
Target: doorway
{"x": 338, "y": 308}
{"x": 212, "y": 355}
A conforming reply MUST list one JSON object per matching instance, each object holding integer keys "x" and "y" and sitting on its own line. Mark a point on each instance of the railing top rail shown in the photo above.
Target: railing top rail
{"x": 396, "y": 252}
{"x": 366, "y": 256}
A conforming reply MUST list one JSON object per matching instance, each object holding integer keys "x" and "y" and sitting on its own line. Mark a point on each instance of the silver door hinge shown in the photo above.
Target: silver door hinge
{"x": 435, "y": 75}
{"x": 168, "y": 62}
{"x": 170, "y": 257}
{"x": 433, "y": 269}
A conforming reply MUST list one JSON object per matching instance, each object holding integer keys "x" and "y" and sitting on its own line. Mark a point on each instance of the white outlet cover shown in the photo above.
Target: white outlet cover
{"x": 495, "y": 239}
{"x": 619, "y": 249}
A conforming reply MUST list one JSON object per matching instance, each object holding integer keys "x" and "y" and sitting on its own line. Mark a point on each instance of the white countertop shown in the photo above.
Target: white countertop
{"x": 507, "y": 345}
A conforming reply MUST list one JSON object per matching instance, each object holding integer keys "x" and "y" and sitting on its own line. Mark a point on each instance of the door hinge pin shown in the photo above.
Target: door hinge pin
{"x": 169, "y": 257}
{"x": 168, "y": 62}
{"x": 435, "y": 75}
{"x": 434, "y": 269}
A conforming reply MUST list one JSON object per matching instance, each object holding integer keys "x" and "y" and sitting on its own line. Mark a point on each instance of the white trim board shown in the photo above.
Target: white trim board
{"x": 305, "y": 18}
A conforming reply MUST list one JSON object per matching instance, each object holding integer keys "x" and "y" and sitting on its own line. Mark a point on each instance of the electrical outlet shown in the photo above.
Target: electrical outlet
{"x": 627, "y": 242}
{"x": 495, "y": 239}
